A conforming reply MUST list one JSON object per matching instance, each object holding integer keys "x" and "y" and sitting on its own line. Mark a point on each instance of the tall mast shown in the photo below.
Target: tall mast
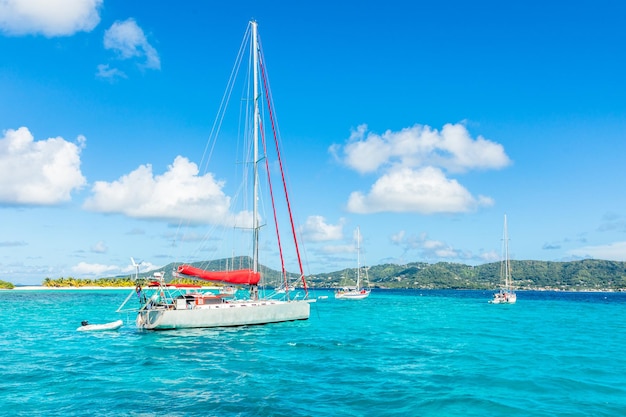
{"x": 255, "y": 220}
{"x": 358, "y": 258}
{"x": 507, "y": 265}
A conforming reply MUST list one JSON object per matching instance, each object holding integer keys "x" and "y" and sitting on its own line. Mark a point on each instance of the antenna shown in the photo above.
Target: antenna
{"x": 136, "y": 265}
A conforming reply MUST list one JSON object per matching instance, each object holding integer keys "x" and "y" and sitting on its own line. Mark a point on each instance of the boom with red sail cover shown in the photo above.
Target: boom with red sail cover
{"x": 241, "y": 276}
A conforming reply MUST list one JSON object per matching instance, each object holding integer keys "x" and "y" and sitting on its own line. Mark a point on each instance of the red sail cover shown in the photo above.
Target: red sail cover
{"x": 242, "y": 276}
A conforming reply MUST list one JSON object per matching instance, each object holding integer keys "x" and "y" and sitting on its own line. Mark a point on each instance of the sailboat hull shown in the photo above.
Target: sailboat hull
{"x": 225, "y": 315}
{"x": 504, "y": 298}
{"x": 352, "y": 295}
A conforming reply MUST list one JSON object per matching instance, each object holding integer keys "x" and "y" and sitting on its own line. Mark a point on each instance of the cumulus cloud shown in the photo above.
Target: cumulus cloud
{"x": 413, "y": 165}
{"x": 48, "y": 17}
{"x": 178, "y": 194}
{"x": 425, "y": 191}
{"x": 128, "y": 41}
{"x": 84, "y": 268}
{"x": 316, "y": 229}
{"x": 452, "y": 149}
{"x": 41, "y": 172}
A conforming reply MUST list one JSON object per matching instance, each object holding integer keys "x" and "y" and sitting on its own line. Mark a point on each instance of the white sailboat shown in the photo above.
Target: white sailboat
{"x": 357, "y": 292}
{"x": 506, "y": 295}
{"x": 170, "y": 306}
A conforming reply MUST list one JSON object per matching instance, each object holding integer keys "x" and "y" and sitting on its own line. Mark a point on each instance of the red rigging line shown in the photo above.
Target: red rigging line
{"x": 271, "y": 189}
{"x": 282, "y": 172}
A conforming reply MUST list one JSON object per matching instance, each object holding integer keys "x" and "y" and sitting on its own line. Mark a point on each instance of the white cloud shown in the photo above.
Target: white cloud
{"x": 100, "y": 247}
{"x": 412, "y": 164}
{"x": 615, "y": 251}
{"x": 316, "y": 229}
{"x": 94, "y": 270}
{"x": 490, "y": 256}
{"x": 48, "y": 17}
{"x": 427, "y": 248}
{"x": 104, "y": 71}
{"x": 38, "y": 172}
{"x": 128, "y": 41}
{"x": 337, "y": 249}
{"x": 143, "y": 267}
{"x": 398, "y": 238}
{"x": 425, "y": 191}
{"x": 452, "y": 149}
{"x": 178, "y": 194}
{"x": 84, "y": 268}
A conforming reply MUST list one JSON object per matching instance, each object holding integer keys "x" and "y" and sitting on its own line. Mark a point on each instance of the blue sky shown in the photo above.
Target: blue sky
{"x": 423, "y": 123}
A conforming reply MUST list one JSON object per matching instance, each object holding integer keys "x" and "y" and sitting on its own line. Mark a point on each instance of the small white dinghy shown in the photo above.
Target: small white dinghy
{"x": 86, "y": 327}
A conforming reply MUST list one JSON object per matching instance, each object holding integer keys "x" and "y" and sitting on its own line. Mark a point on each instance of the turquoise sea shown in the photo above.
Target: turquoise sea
{"x": 397, "y": 353}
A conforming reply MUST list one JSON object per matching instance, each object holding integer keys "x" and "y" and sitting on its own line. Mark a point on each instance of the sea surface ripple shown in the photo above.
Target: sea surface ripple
{"x": 397, "y": 353}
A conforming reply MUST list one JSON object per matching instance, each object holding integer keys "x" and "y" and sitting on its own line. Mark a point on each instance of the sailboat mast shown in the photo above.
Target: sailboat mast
{"x": 507, "y": 265}
{"x": 358, "y": 258}
{"x": 255, "y": 219}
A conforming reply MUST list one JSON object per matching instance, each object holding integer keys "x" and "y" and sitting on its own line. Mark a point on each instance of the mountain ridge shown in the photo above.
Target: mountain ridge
{"x": 587, "y": 274}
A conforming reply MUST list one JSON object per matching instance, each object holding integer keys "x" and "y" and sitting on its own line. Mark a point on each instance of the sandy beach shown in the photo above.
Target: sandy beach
{"x": 87, "y": 287}
{"x": 41, "y": 287}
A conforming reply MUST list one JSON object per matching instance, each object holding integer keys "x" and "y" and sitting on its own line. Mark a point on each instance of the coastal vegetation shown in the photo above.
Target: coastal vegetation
{"x": 584, "y": 275}
{"x": 85, "y": 282}
{"x": 6, "y": 285}
{"x": 112, "y": 282}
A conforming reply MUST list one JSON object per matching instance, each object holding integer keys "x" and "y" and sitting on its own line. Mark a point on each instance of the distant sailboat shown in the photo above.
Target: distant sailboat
{"x": 284, "y": 288}
{"x": 354, "y": 292}
{"x": 506, "y": 294}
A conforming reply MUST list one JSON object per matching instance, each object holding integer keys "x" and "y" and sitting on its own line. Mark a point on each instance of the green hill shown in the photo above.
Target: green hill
{"x": 589, "y": 274}
{"x": 585, "y": 275}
